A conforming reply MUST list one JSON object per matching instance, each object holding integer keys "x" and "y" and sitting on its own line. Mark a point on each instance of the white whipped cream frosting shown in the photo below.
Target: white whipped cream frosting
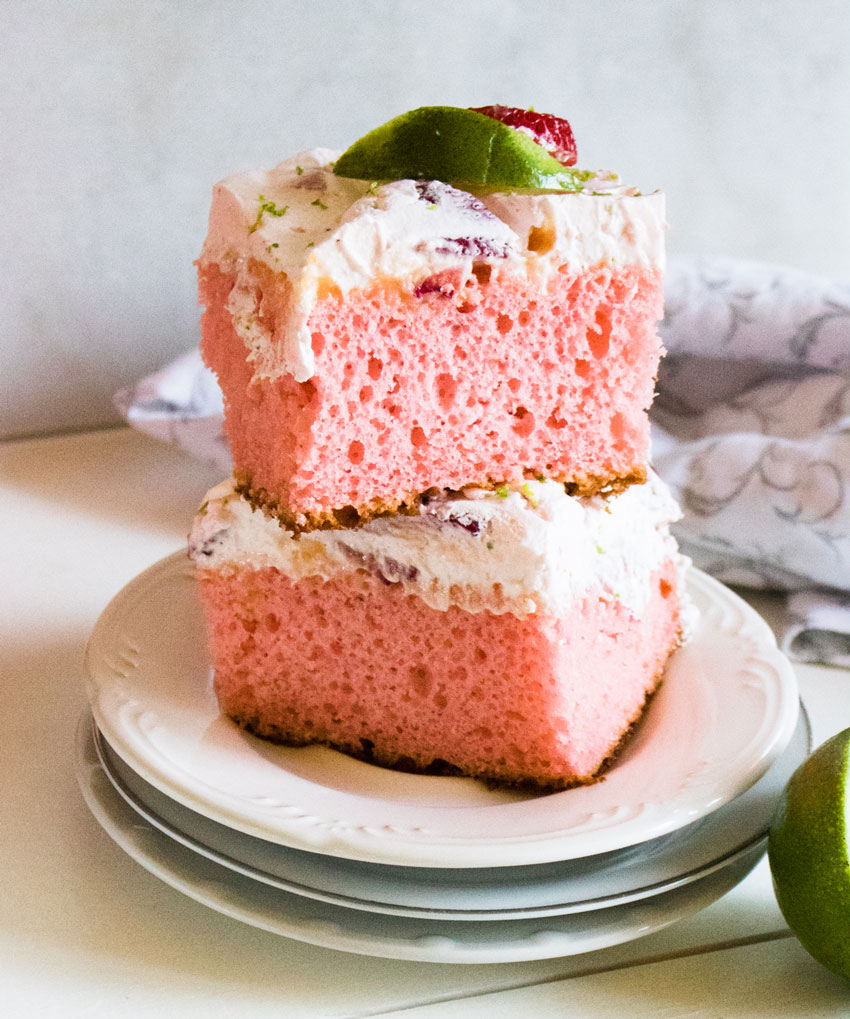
{"x": 532, "y": 550}
{"x": 337, "y": 233}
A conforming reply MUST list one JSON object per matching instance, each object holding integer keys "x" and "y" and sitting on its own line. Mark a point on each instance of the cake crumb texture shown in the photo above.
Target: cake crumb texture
{"x": 356, "y": 664}
{"x": 443, "y": 385}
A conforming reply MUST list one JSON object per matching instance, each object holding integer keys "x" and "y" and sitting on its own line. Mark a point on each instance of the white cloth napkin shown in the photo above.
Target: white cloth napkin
{"x": 751, "y": 429}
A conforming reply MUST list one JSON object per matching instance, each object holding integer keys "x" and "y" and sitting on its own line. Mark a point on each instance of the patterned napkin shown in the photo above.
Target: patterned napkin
{"x": 751, "y": 429}
{"x": 181, "y": 404}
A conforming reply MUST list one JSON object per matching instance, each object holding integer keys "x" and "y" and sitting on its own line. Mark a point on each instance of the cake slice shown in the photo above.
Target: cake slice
{"x": 513, "y": 635}
{"x": 374, "y": 341}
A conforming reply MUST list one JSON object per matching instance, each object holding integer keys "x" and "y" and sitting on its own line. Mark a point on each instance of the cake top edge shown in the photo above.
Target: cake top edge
{"x": 328, "y": 233}
{"x": 300, "y": 217}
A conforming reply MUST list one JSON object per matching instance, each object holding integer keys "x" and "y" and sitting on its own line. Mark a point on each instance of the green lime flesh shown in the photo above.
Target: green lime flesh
{"x": 457, "y": 146}
{"x": 808, "y": 854}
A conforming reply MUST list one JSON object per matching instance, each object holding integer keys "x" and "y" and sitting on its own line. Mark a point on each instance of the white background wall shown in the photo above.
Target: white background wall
{"x": 117, "y": 116}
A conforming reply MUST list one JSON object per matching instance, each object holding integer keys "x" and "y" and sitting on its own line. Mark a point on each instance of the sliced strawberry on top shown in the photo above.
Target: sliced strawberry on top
{"x": 552, "y": 133}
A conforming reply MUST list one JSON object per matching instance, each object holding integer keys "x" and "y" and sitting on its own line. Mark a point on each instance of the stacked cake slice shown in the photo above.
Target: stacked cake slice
{"x": 442, "y": 548}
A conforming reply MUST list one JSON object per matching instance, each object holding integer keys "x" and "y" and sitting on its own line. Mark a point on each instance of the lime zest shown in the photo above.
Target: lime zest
{"x": 266, "y": 207}
{"x": 530, "y": 496}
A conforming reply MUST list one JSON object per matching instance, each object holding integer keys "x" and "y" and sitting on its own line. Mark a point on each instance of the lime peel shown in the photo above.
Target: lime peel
{"x": 460, "y": 147}
{"x": 808, "y": 854}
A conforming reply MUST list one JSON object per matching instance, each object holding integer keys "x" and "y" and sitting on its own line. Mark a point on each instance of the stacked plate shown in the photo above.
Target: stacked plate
{"x": 317, "y": 846}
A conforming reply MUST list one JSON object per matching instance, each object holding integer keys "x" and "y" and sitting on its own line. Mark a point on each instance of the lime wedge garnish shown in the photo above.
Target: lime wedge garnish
{"x": 460, "y": 147}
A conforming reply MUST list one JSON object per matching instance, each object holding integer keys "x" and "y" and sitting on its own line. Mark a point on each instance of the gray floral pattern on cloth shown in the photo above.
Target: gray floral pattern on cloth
{"x": 181, "y": 404}
{"x": 751, "y": 429}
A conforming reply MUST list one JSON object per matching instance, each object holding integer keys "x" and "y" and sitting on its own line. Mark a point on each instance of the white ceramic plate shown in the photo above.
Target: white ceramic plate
{"x": 727, "y": 708}
{"x": 488, "y": 893}
{"x": 394, "y": 937}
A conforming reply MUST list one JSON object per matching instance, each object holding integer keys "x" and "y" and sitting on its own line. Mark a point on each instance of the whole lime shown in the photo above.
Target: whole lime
{"x": 808, "y": 854}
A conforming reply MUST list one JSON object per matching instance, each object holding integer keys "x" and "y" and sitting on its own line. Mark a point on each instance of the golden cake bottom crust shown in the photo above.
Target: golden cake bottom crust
{"x": 340, "y": 518}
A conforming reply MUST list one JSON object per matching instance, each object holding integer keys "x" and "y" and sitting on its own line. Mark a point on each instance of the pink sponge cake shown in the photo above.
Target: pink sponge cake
{"x": 374, "y": 341}
{"x": 510, "y": 635}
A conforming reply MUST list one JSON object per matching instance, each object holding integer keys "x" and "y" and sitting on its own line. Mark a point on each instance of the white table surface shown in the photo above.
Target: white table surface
{"x": 86, "y": 931}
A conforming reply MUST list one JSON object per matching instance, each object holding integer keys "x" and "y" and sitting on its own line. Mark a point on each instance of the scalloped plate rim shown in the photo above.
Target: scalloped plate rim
{"x": 414, "y": 844}
{"x": 376, "y": 934}
{"x": 683, "y": 856}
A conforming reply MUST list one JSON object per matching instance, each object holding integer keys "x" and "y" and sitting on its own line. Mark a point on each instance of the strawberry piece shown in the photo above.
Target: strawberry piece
{"x": 553, "y": 133}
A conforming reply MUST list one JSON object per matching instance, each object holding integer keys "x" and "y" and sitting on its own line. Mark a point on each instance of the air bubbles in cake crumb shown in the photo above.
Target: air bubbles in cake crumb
{"x": 599, "y": 336}
{"x": 504, "y": 324}
{"x": 356, "y": 452}
{"x": 482, "y": 272}
{"x": 618, "y": 427}
{"x": 446, "y": 390}
{"x": 524, "y": 425}
{"x": 421, "y": 680}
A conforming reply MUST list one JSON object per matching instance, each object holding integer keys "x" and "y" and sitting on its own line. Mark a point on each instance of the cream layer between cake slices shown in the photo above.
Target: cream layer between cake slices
{"x": 515, "y": 639}
{"x": 375, "y": 341}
